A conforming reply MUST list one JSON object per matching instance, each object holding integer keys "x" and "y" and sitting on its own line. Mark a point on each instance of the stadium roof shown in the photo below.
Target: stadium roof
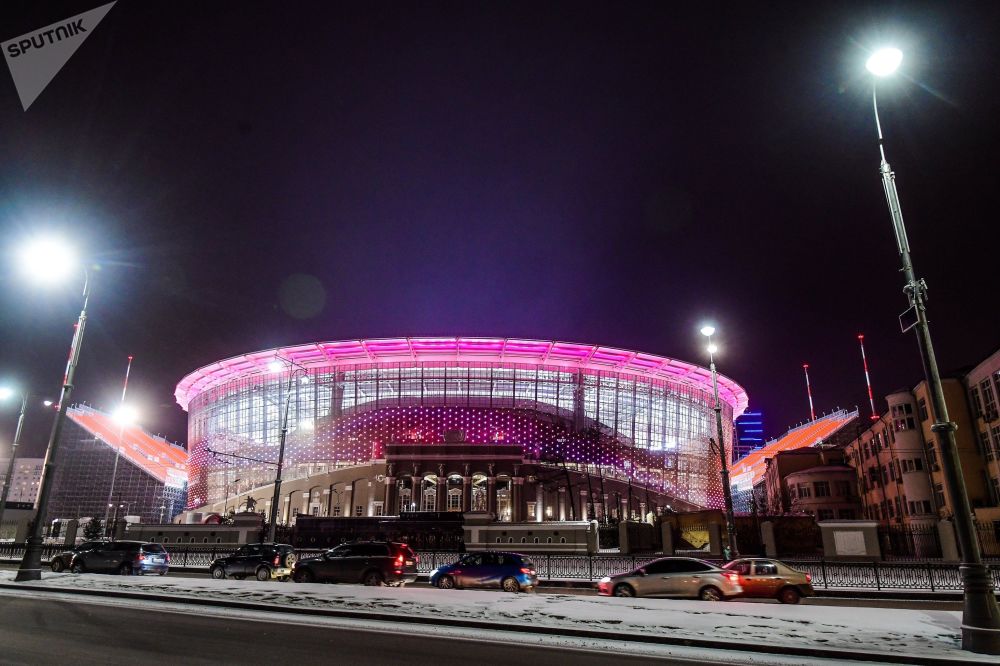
{"x": 496, "y": 350}
{"x": 154, "y": 455}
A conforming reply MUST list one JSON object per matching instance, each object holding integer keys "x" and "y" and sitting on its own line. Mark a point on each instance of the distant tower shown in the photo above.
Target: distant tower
{"x": 868, "y": 379}
{"x": 749, "y": 434}
{"x": 812, "y": 412}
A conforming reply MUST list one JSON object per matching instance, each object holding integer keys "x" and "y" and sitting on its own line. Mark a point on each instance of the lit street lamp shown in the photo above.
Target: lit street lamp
{"x": 124, "y": 416}
{"x": 48, "y": 260}
{"x": 734, "y": 551}
{"x": 981, "y": 617}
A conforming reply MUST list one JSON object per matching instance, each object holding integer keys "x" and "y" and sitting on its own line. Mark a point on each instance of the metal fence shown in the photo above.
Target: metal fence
{"x": 916, "y": 575}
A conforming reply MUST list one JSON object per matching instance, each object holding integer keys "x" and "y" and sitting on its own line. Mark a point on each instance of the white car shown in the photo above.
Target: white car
{"x": 684, "y": 577}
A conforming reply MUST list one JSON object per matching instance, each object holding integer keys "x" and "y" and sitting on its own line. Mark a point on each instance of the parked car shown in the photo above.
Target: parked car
{"x": 370, "y": 562}
{"x": 771, "y": 579}
{"x": 122, "y": 557}
{"x": 674, "y": 577}
{"x": 263, "y": 561}
{"x": 64, "y": 560}
{"x": 510, "y": 572}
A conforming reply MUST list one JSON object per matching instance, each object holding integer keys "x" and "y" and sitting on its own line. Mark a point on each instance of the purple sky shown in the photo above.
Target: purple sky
{"x": 251, "y": 175}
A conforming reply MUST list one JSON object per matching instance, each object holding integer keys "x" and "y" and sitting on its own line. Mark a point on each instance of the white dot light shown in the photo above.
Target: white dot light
{"x": 884, "y": 61}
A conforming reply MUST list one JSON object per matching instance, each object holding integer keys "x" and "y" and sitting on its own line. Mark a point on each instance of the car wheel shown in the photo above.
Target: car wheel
{"x": 57, "y": 565}
{"x": 710, "y": 593}
{"x": 77, "y": 568}
{"x": 125, "y": 569}
{"x": 789, "y": 595}
{"x": 446, "y": 583}
{"x": 263, "y": 574}
{"x": 163, "y": 573}
{"x": 624, "y": 590}
{"x": 374, "y": 579}
{"x": 510, "y": 584}
{"x": 218, "y": 573}
{"x": 304, "y": 576}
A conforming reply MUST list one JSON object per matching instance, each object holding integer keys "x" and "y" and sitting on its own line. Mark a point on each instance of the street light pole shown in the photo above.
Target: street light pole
{"x": 13, "y": 453}
{"x": 281, "y": 451}
{"x": 981, "y": 615}
{"x": 727, "y": 492}
{"x": 31, "y": 563}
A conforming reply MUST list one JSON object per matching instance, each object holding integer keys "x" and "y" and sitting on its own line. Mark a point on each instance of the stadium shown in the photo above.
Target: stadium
{"x": 528, "y": 430}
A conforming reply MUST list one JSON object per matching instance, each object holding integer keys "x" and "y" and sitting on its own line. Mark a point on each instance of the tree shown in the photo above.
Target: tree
{"x": 93, "y": 530}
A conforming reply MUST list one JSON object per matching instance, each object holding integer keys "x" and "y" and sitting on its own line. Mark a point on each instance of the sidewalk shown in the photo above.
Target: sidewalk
{"x": 871, "y": 634}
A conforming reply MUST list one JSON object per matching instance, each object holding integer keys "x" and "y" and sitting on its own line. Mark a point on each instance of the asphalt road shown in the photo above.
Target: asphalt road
{"x": 50, "y": 631}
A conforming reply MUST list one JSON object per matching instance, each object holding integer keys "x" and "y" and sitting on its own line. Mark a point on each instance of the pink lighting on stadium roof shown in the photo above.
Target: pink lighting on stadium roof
{"x": 496, "y": 350}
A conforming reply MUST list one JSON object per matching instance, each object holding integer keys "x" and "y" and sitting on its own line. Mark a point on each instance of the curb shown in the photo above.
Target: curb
{"x": 829, "y": 653}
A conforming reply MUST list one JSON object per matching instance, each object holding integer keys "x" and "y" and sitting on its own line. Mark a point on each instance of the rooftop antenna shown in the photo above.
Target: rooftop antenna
{"x": 812, "y": 412}
{"x": 868, "y": 379}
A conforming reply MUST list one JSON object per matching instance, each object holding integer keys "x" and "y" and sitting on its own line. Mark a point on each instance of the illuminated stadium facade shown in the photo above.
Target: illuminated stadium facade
{"x": 525, "y": 429}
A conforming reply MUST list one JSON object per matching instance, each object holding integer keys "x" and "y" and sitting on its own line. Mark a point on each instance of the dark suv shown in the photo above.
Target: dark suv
{"x": 122, "y": 557}
{"x": 370, "y": 562}
{"x": 64, "y": 560}
{"x": 263, "y": 561}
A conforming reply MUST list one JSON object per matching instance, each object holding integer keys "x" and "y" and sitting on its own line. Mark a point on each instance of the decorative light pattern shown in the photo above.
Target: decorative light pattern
{"x": 621, "y": 423}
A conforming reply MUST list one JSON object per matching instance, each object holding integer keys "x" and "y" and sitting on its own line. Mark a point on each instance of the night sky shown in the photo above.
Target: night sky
{"x": 251, "y": 175}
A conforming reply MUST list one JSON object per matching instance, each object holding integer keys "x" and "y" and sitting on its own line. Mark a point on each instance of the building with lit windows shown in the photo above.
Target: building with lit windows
{"x": 749, "y": 434}
{"x": 24, "y": 482}
{"x": 528, "y": 430}
{"x": 983, "y": 385}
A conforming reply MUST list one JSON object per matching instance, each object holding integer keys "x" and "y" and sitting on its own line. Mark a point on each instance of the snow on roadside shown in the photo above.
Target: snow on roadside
{"x": 918, "y": 632}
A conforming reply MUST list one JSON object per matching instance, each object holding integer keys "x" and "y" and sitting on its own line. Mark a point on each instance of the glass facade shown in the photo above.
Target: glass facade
{"x": 651, "y": 429}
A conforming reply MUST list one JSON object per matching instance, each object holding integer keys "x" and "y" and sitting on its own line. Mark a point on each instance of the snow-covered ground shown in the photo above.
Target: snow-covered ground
{"x": 742, "y": 624}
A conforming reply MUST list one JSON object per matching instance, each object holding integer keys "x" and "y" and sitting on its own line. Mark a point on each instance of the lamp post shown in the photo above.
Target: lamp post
{"x": 125, "y": 416}
{"x": 981, "y": 616}
{"x": 277, "y": 366}
{"x": 727, "y": 493}
{"x": 49, "y": 260}
{"x": 4, "y": 394}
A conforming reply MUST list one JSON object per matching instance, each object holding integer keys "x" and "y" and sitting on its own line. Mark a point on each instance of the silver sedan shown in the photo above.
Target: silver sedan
{"x": 684, "y": 577}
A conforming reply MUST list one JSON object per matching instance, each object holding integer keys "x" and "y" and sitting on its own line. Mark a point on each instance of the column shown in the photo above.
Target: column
{"x": 584, "y": 505}
{"x": 441, "y": 501}
{"x": 491, "y": 495}
{"x": 416, "y": 493}
{"x": 539, "y": 503}
{"x": 466, "y": 493}
{"x": 516, "y": 500}
{"x": 391, "y": 497}
{"x": 562, "y": 503}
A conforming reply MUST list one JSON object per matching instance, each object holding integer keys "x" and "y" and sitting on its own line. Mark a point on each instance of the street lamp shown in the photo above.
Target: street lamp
{"x": 727, "y": 493}
{"x": 124, "y": 416}
{"x": 48, "y": 260}
{"x": 981, "y": 616}
{"x": 277, "y": 365}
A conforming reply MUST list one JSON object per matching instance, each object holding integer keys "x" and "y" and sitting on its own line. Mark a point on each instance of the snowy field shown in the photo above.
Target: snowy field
{"x": 917, "y": 632}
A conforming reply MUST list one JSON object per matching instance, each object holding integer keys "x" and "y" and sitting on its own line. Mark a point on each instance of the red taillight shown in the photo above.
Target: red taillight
{"x": 277, "y": 560}
{"x": 733, "y": 577}
{"x": 809, "y": 578}
{"x": 399, "y": 560}
{"x": 138, "y": 557}
{"x": 525, "y": 570}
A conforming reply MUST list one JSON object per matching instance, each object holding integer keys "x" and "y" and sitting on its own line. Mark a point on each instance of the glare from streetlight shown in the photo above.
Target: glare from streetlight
{"x": 712, "y": 348}
{"x": 306, "y": 424}
{"x": 47, "y": 403}
{"x": 884, "y": 61}
{"x": 126, "y": 415}
{"x": 47, "y": 260}
{"x": 708, "y": 331}
{"x": 6, "y": 392}
{"x": 275, "y": 366}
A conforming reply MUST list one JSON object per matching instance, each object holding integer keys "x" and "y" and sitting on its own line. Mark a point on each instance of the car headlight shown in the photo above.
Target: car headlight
{"x": 433, "y": 573}
{"x": 606, "y": 579}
